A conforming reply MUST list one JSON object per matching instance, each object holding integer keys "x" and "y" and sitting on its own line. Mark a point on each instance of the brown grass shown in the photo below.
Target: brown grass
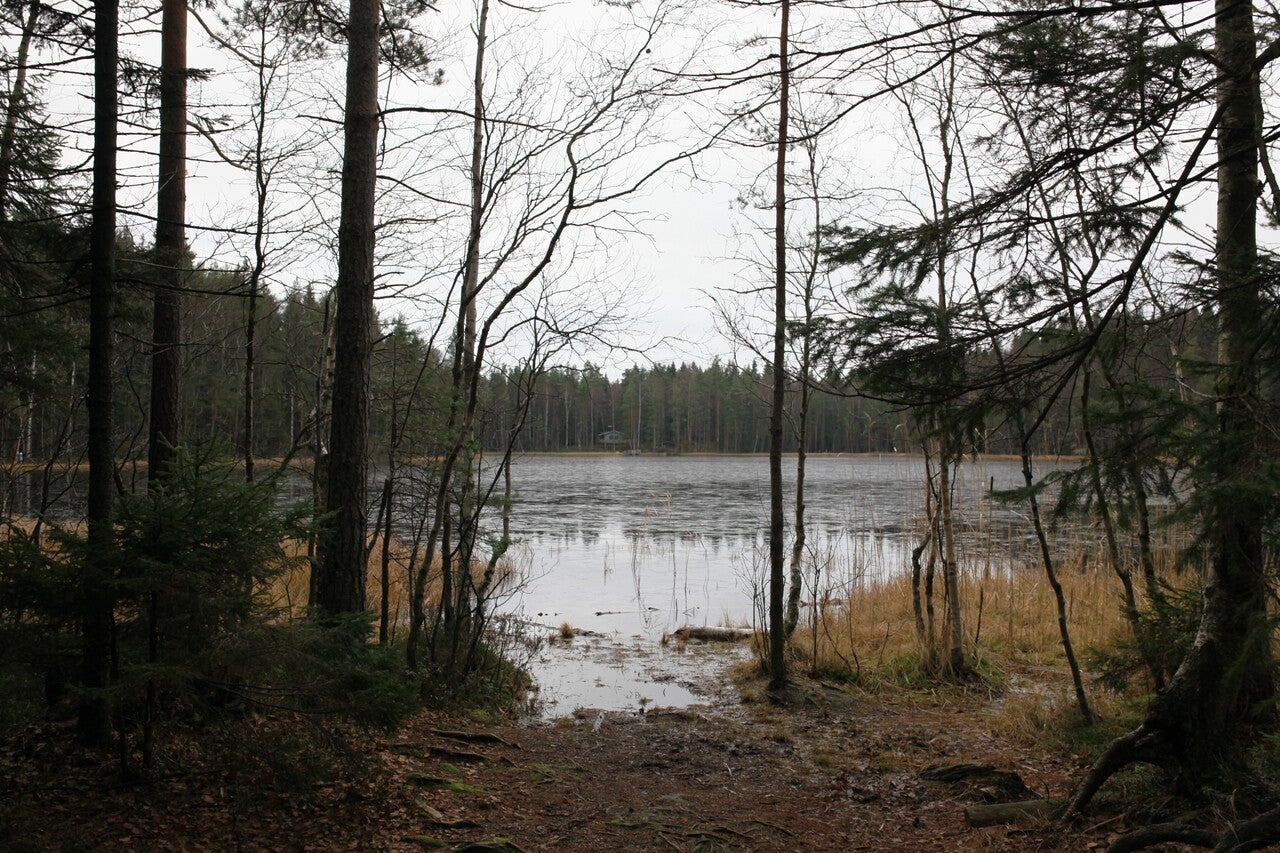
{"x": 288, "y": 591}
{"x": 1008, "y": 616}
{"x": 290, "y": 588}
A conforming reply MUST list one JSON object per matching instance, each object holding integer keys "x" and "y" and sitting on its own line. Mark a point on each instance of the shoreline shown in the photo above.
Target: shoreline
{"x": 304, "y": 463}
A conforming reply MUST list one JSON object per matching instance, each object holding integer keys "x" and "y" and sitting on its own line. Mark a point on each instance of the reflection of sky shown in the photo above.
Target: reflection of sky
{"x": 643, "y": 545}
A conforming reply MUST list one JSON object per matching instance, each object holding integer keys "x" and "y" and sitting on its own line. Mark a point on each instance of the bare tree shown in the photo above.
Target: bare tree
{"x": 94, "y": 717}
{"x": 340, "y": 584}
{"x": 777, "y": 579}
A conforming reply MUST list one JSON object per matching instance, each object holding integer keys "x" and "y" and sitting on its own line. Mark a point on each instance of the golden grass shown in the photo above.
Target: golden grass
{"x": 1007, "y": 615}
{"x": 289, "y": 590}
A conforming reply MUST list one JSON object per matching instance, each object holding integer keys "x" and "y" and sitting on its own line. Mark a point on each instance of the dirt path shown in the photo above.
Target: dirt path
{"x": 827, "y": 771}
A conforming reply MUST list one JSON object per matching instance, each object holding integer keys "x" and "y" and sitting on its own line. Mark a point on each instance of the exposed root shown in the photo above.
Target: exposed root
{"x": 1254, "y": 834}
{"x": 1139, "y": 745}
{"x": 1164, "y": 833}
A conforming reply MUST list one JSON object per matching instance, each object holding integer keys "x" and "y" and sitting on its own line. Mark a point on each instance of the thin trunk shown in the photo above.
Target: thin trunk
{"x": 260, "y": 182}
{"x": 1146, "y": 559}
{"x": 250, "y": 332}
{"x": 384, "y": 608}
{"x": 802, "y": 425}
{"x": 320, "y": 448}
{"x": 923, "y": 637}
{"x": 1113, "y": 549}
{"x": 471, "y": 275}
{"x": 94, "y": 716}
{"x": 777, "y": 634}
{"x": 342, "y": 576}
{"x": 950, "y": 568}
{"x": 1082, "y": 701}
{"x": 797, "y": 543}
{"x": 456, "y": 568}
{"x": 930, "y": 572}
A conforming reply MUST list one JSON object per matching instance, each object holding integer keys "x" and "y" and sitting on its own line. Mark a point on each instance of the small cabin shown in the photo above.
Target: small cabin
{"x": 611, "y": 438}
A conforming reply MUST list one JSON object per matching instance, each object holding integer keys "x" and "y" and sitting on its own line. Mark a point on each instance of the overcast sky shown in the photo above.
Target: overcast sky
{"x": 656, "y": 258}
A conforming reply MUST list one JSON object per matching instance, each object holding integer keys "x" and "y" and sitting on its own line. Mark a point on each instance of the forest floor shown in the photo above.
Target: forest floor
{"x": 826, "y": 769}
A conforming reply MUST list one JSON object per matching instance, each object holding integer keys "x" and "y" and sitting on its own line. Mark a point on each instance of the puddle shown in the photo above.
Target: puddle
{"x": 617, "y": 673}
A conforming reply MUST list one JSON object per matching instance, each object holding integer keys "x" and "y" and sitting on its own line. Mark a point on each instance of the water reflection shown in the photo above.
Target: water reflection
{"x": 635, "y": 547}
{"x": 654, "y": 543}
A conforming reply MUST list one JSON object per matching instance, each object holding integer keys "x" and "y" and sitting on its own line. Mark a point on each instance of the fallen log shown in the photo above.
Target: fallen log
{"x": 714, "y": 632}
{"x": 984, "y": 779}
{"x": 997, "y": 814}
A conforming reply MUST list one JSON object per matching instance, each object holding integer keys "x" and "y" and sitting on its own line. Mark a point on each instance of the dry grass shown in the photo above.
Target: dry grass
{"x": 1009, "y": 616}
{"x": 288, "y": 592}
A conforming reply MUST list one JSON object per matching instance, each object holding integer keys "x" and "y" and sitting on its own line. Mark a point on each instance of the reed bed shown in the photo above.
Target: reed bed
{"x": 864, "y": 627}
{"x": 288, "y": 591}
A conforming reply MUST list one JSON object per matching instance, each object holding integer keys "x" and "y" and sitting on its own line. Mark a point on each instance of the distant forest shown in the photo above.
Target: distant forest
{"x": 675, "y": 408}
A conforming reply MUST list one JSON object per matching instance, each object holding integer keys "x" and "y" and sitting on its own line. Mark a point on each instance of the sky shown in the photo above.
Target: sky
{"x": 683, "y": 235}
{"x": 686, "y": 219}
{"x": 655, "y": 266}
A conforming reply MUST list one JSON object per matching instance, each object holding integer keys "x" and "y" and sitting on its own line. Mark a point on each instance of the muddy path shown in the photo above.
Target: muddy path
{"x": 825, "y": 770}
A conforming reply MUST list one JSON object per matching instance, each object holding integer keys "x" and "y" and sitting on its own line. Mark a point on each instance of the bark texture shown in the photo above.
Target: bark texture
{"x": 170, "y": 250}
{"x": 94, "y": 719}
{"x": 340, "y": 586}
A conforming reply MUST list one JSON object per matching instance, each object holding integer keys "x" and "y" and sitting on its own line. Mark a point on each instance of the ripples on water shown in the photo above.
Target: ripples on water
{"x": 635, "y": 547}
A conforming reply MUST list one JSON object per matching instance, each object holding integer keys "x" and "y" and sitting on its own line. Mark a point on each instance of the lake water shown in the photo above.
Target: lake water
{"x": 629, "y": 549}
{"x": 632, "y": 548}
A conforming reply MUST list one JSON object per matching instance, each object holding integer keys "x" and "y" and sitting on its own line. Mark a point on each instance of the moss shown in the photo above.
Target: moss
{"x": 425, "y": 780}
{"x": 461, "y": 787}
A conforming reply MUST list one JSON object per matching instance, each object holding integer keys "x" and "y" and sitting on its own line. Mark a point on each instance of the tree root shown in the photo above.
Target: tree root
{"x": 1139, "y": 745}
{"x": 1163, "y": 833}
{"x": 1254, "y": 834}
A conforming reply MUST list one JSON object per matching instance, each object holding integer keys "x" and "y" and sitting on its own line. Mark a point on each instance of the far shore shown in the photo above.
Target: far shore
{"x": 303, "y": 463}
{"x": 791, "y": 454}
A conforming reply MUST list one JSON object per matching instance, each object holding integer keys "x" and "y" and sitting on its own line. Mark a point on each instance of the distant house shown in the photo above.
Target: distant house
{"x": 611, "y": 438}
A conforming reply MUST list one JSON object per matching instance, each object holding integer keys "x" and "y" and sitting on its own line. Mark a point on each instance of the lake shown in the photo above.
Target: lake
{"x": 631, "y": 548}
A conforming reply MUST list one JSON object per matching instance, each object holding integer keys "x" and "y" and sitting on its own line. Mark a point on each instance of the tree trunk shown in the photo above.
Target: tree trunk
{"x": 170, "y": 250}
{"x": 777, "y": 634}
{"x": 384, "y": 604}
{"x": 98, "y": 627}
{"x": 341, "y": 584}
{"x": 166, "y": 326}
{"x": 261, "y": 180}
{"x": 1028, "y": 480}
{"x": 1194, "y": 727}
{"x": 250, "y": 335}
{"x": 950, "y": 567}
